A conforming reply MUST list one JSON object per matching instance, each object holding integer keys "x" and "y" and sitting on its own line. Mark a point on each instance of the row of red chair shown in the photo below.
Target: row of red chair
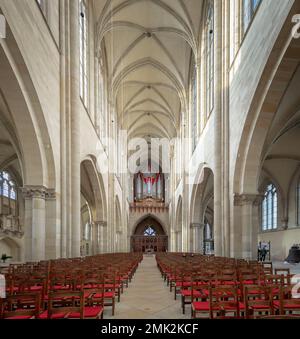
{"x": 222, "y": 287}
{"x": 67, "y": 288}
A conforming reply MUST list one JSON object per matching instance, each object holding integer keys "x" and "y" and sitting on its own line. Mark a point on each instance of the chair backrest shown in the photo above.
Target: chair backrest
{"x": 258, "y": 297}
{"x": 66, "y": 302}
{"x": 224, "y": 299}
{"x": 94, "y": 291}
{"x": 267, "y": 267}
{"x": 284, "y": 271}
{"x": 225, "y": 280}
{"x": 12, "y": 306}
{"x": 61, "y": 281}
{"x": 274, "y": 279}
{"x": 200, "y": 282}
{"x": 287, "y": 300}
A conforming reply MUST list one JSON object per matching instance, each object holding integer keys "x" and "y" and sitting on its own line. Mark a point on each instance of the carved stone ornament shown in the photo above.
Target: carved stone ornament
{"x": 39, "y": 192}
{"x": 247, "y": 199}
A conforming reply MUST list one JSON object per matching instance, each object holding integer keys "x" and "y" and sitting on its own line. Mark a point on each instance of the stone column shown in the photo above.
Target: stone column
{"x": 175, "y": 245}
{"x": 199, "y": 96}
{"x": 75, "y": 127}
{"x": 53, "y": 228}
{"x": 218, "y": 230}
{"x": 94, "y": 231}
{"x": 248, "y": 205}
{"x": 197, "y": 231}
{"x": 172, "y": 241}
{"x": 102, "y": 228}
{"x": 35, "y": 222}
{"x": 119, "y": 242}
{"x": 179, "y": 241}
{"x": 64, "y": 110}
{"x": 226, "y": 129}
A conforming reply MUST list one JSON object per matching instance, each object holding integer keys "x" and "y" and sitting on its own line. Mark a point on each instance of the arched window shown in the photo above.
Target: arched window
{"x": 208, "y": 242}
{"x": 87, "y": 232}
{"x": 248, "y": 10}
{"x": 149, "y": 232}
{"x": 210, "y": 61}
{"x": 298, "y": 203}
{"x": 8, "y": 201}
{"x": 270, "y": 209}
{"x": 7, "y": 186}
{"x": 83, "y": 51}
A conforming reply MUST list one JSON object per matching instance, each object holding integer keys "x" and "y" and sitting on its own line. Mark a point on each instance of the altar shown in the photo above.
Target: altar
{"x": 148, "y": 244}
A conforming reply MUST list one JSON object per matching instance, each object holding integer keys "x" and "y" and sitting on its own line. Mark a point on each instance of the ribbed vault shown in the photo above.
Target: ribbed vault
{"x": 148, "y": 46}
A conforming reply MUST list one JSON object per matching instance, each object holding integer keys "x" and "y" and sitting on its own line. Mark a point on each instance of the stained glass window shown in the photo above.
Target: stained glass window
{"x": 270, "y": 209}
{"x": 149, "y": 232}
{"x": 7, "y": 186}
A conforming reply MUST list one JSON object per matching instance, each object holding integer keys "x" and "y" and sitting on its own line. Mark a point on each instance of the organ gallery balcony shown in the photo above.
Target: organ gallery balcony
{"x": 10, "y": 225}
{"x": 149, "y": 205}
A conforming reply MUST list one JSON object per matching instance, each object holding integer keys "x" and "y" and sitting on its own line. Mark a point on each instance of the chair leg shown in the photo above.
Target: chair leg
{"x": 183, "y": 304}
{"x": 113, "y": 307}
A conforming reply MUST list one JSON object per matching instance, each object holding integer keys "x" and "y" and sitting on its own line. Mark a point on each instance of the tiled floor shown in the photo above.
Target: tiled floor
{"x": 147, "y": 297}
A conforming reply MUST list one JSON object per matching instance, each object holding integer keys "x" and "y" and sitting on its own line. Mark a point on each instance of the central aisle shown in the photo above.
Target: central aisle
{"x": 147, "y": 297}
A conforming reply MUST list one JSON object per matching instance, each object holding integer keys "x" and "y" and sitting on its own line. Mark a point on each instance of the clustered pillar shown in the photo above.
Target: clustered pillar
{"x": 75, "y": 128}
{"x": 37, "y": 225}
{"x": 218, "y": 231}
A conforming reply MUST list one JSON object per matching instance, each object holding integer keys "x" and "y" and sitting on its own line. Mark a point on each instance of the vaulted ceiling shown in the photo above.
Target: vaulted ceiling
{"x": 148, "y": 46}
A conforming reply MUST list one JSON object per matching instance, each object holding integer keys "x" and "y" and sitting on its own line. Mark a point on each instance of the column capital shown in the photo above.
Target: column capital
{"x": 39, "y": 192}
{"x": 248, "y": 199}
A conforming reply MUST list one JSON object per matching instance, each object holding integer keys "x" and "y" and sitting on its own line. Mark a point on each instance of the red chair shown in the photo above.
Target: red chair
{"x": 286, "y": 303}
{"x": 257, "y": 300}
{"x": 199, "y": 297}
{"x": 13, "y": 307}
{"x": 190, "y": 291}
{"x": 70, "y": 305}
{"x": 224, "y": 303}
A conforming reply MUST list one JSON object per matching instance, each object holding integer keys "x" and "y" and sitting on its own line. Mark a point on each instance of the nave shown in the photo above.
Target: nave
{"x": 143, "y": 129}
